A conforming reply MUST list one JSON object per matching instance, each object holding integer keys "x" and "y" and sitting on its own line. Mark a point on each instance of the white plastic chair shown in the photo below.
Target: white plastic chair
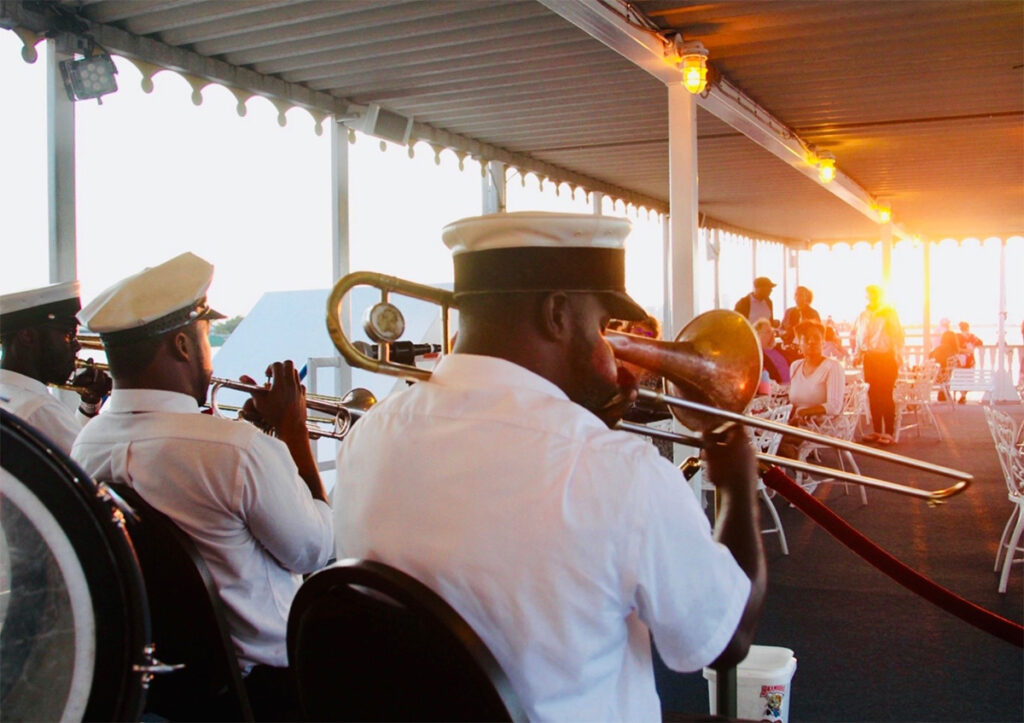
{"x": 912, "y": 395}
{"x": 841, "y": 426}
{"x": 768, "y": 443}
{"x": 1011, "y": 459}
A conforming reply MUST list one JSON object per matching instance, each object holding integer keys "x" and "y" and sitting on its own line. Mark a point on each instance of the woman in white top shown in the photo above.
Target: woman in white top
{"x": 816, "y": 381}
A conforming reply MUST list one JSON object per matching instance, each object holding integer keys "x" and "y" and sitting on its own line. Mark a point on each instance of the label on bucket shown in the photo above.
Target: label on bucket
{"x": 773, "y": 696}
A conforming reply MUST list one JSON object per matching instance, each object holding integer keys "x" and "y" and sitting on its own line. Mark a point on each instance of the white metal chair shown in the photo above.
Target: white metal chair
{"x": 1011, "y": 459}
{"x": 841, "y": 426}
{"x": 767, "y": 443}
{"x": 912, "y": 395}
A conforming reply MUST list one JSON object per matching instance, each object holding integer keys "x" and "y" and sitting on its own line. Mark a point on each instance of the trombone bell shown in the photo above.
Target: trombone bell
{"x": 715, "y": 360}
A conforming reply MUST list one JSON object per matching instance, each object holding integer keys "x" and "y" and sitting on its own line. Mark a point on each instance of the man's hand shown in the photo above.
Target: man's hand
{"x": 616, "y": 407}
{"x": 95, "y": 384}
{"x": 280, "y": 405}
{"x": 730, "y": 459}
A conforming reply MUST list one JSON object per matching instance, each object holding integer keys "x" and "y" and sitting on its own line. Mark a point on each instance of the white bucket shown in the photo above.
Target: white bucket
{"x": 762, "y": 684}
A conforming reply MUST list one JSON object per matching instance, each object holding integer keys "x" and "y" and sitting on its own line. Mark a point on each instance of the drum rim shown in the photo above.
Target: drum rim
{"x": 122, "y": 587}
{"x": 76, "y": 583}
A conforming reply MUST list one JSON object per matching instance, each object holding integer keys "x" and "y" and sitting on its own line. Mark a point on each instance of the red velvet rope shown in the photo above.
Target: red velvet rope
{"x": 906, "y": 576}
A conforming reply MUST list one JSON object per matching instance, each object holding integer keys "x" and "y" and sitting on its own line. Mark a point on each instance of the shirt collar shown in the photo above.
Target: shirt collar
{"x": 456, "y": 370}
{"x": 151, "y": 400}
{"x": 22, "y": 382}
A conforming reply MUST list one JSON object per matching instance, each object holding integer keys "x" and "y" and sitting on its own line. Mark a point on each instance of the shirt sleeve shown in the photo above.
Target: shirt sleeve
{"x": 297, "y": 530}
{"x": 835, "y": 385}
{"x": 57, "y": 422}
{"x": 691, "y": 592}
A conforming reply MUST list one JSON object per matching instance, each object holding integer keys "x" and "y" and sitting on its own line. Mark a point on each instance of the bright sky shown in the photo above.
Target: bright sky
{"x": 157, "y": 175}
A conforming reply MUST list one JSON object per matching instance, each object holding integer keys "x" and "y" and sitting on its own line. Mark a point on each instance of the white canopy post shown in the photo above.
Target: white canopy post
{"x": 340, "y": 253}
{"x": 1004, "y": 390}
{"x": 886, "y": 236}
{"x": 493, "y": 188}
{"x": 926, "y": 316}
{"x": 681, "y": 305}
{"x": 60, "y": 166}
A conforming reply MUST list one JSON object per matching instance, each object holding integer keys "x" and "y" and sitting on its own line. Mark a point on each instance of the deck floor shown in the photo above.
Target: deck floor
{"x": 868, "y": 649}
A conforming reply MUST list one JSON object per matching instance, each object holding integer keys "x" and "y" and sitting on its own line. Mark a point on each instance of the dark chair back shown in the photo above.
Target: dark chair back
{"x": 368, "y": 642}
{"x": 188, "y": 622}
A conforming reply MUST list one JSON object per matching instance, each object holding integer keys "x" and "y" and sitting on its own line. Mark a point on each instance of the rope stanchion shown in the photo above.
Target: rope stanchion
{"x": 906, "y": 576}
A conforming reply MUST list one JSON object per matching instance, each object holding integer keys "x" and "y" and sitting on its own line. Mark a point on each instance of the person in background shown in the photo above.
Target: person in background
{"x": 803, "y": 311}
{"x": 39, "y": 337}
{"x": 816, "y": 382}
{"x": 946, "y": 354}
{"x": 758, "y": 303}
{"x": 833, "y": 345}
{"x": 253, "y": 504}
{"x": 968, "y": 343}
{"x": 878, "y": 336}
{"x": 498, "y": 482}
{"x": 773, "y": 360}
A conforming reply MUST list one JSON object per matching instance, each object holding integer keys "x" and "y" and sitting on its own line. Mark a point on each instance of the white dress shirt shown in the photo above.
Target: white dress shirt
{"x": 560, "y": 541}
{"x": 31, "y": 401}
{"x": 824, "y": 386}
{"x": 233, "y": 489}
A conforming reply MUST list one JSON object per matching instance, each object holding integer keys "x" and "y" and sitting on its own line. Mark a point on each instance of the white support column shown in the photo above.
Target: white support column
{"x": 340, "y": 254}
{"x": 669, "y": 329}
{"x": 716, "y": 245}
{"x": 596, "y": 199}
{"x": 926, "y": 316}
{"x": 1004, "y": 390}
{"x": 886, "y": 230}
{"x": 492, "y": 187}
{"x": 60, "y": 162}
{"x": 683, "y": 292}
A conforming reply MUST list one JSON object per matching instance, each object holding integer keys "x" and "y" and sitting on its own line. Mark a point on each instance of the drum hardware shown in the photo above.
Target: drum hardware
{"x": 712, "y": 368}
{"x": 152, "y": 666}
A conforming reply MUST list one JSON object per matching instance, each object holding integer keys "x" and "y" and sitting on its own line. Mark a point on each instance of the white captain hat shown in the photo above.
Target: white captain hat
{"x": 56, "y": 302}
{"x": 152, "y": 302}
{"x": 539, "y": 251}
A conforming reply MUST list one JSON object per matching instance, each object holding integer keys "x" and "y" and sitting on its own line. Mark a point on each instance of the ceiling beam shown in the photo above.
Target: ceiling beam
{"x": 647, "y": 49}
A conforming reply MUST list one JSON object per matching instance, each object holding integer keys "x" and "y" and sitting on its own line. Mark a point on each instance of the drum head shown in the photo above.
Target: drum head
{"x": 73, "y": 615}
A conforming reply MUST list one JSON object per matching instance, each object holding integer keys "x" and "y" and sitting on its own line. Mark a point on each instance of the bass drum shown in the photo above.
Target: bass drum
{"x": 74, "y": 622}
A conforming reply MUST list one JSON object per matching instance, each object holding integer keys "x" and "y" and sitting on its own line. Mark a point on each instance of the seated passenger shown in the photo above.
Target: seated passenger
{"x": 816, "y": 382}
{"x": 253, "y": 504}
{"x": 39, "y": 336}
{"x": 565, "y": 544}
{"x": 773, "y": 361}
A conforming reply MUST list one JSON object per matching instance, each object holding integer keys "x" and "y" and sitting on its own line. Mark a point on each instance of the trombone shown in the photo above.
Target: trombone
{"x": 339, "y": 414}
{"x": 711, "y": 371}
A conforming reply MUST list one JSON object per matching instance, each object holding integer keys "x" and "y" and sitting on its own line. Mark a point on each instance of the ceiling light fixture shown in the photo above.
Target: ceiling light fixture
{"x": 91, "y": 76}
{"x": 884, "y": 213}
{"x": 693, "y": 62}
{"x": 826, "y": 167}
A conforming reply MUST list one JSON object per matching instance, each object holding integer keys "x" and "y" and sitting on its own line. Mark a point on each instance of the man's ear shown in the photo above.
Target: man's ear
{"x": 556, "y": 315}
{"x": 181, "y": 346}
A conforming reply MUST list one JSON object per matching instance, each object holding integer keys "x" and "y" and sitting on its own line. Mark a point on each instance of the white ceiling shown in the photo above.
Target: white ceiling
{"x": 921, "y": 101}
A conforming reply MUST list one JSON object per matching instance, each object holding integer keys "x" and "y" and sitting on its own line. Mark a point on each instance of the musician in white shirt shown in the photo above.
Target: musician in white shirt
{"x": 39, "y": 336}
{"x": 498, "y": 483}
{"x": 253, "y": 504}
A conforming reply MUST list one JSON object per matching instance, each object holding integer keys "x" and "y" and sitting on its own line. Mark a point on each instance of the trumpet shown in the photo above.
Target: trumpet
{"x": 339, "y": 413}
{"x": 711, "y": 372}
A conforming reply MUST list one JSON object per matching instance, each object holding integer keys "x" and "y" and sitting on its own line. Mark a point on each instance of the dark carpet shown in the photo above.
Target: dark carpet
{"x": 867, "y": 649}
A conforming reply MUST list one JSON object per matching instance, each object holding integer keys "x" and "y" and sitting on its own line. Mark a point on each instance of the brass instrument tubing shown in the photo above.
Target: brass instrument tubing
{"x": 771, "y": 426}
